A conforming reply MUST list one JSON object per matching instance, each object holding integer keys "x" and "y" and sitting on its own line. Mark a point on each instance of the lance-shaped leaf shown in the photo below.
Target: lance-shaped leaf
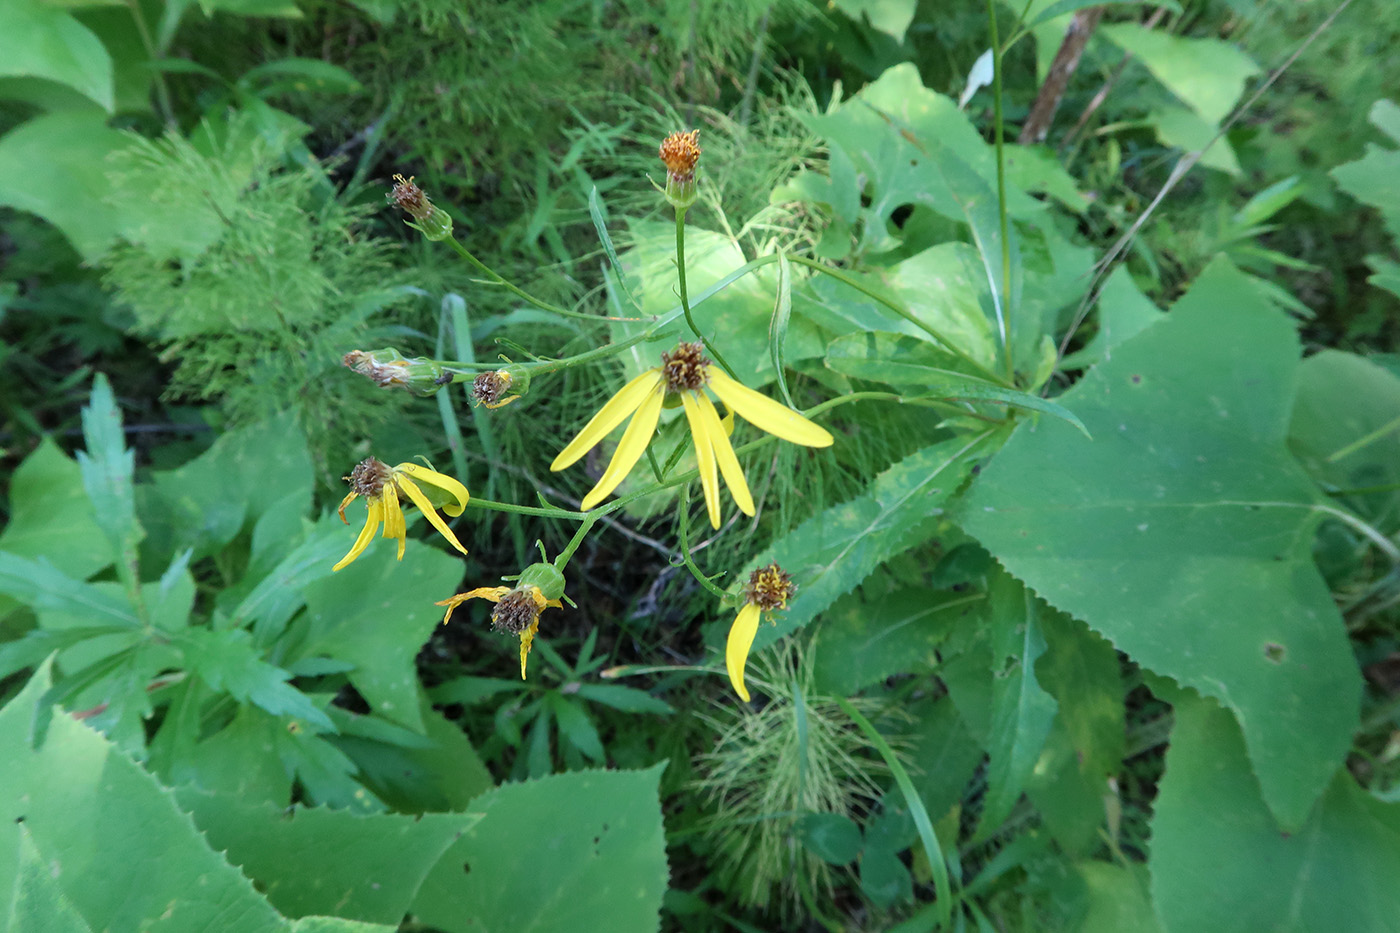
{"x": 1182, "y": 532}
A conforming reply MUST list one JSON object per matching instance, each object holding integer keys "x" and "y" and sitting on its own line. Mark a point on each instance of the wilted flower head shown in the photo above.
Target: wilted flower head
{"x": 767, "y": 590}
{"x": 388, "y": 369}
{"x": 433, "y": 221}
{"x": 518, "y": 608}
{"x": 490, "y": 388}
{"x": 680, "y": 152}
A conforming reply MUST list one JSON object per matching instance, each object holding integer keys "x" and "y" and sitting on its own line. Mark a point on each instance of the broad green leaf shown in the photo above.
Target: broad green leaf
{"x": 329, "y": 862}
{"x": 43, "y": 41}
{"x": 1123, "y": 312}
{"x": 107, "y": 468}
{"x": 445, "y": 773}
{"x": 831, "y": 837}
{"x": 470, "y": 691}
{"x": 1385, "y": 116}
{"x": 1187, "y": 130}
{"x": 44, "y": 588}
{"x": 37, "y": 901}
{"x": 55, "y": 166}
{"x": 891, "y": 16}
{"x": 577, "y": 728}
{"x": 574, "y": 853}
{"x": 1181, "y": 532}
{"x": 229, "y": 662}
{"x": 339, "y": 925}
{"x": 51, "y": 515}
{"x": 1387, "y": 273}
{"x": 1118, "y": 900}
{"x": 627, "y": 699}
{"x": 860, "y": 642}
{"x": 1061, "y": 7}
{"x": 1207, "y": 74}
{"x": 1036, "y": 169}
{"x": 884, "y": 878}
{"x": 277, "y": 597}
{"x": 942, "y": 754}
{"x": 1084, "y": 750}
{"x": 377, "y": 613}
{"x": 239, "y": 760}
{"x": 831, "y": 553}
{"x": 1374, "y": 179}
{"x": 117, "y": 843}
{"x": 924, "y": 371}
{"x": 1219, "y": 861}
{"x": 1346, "y": 431}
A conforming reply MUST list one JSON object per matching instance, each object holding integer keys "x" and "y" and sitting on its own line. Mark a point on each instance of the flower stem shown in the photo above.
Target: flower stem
{"x": 562, "y": 560}
{"x": 683, "y": 514}
{"x": 685, "y": 298}
{"x": 497, "y": 279}
{"x": 1000, "y": 137}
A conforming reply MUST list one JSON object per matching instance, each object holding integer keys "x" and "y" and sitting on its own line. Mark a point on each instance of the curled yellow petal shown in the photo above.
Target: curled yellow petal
{"x": 724, "y": 456}
{"x": 349, "y": 497}
{"x": 426, "y": 507}
{"x": 372, "y": 520}
{"x": 767, "y": 415}
{"x": 704, "y": 454}
{"x": 626, "y": 401}
{"x": 736, "y": 650}
{"x": 527, "y": 638}
{"x": 442, "y": 481}
{"x": 629, "y": 449}
{"x": 394, "y": 524}
{"x": 493, "y": 593}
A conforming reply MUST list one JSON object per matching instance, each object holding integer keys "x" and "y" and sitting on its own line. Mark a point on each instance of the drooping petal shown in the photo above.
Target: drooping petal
{"x": 724, "y": 456}
{"x": 426, "y": 507}
{"x": 442, "y": 481}
{"x": 493, "y": 593}
{"x": 704, "y": 455}
{"x": 372, "y": 520}
{"x": 629, "y": 449}
{"x": 394, "y": 524}
{"x": 349, "y": 497}
{"x": 626, "y": 401}
{"x": 767, "y": 415}
{"x": 527, "y": 638}
{"x": 736, "y": 650}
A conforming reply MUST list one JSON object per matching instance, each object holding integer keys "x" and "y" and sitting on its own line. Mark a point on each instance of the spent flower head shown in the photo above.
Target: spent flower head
{"x": 388, "y": 369}
{"x": 768, "y": 590}
{"x": 433, "y": 221}
{"x": 382, "y": 485}
{"x": 681, "y": 152}
{"x": 490, "y": 388}
{"x": 518, "y": 607}
{"x": 687, "y": 373}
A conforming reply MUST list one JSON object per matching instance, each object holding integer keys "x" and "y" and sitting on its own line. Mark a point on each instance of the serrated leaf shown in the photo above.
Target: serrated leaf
{"x": 120, "y": 848}
{"x": 860, "y": 642}
{"x": 442, "y": 774}
{"x": 1219, "y": 861}
{"x": 926, "y": 372}
{"x": 595, "y": 835}
{"x": 107, "y": 468}
{"x": 329, "y": 862}
{"x": 377, "y": 613}
{"x": 1207, "y": 74}
{"x": 1186, "y": 510}
{"x": 833, "y": 551}
{"x": 229, "y": 662}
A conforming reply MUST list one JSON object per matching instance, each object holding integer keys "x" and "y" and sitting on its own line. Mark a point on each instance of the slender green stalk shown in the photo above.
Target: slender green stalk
{"x": 498, "y": 279}
{"x": 685, "y": 298}
{"x": 683, "y": 515}
{"x": 584, "y": 527}
{"x": 1000, "y": 129}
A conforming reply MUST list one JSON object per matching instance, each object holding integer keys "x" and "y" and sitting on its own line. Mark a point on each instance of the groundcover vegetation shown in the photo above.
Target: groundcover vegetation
{"x": 729, "y": 465}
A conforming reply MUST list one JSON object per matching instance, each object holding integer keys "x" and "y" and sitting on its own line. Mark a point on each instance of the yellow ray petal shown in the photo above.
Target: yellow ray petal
{"x": 629, "y": 449}
{"x": 493, "y": 593}
{"x": 704, "y": 455}
{"x": 736, "y": 650}
{"x": 724, "y": 456}
{"x": 626, "y": 401}
{"x": 527, "y": 638}
{"x": 442, "y": 481}
{"x": 372, "y": 520}
{"x": 394, "y": 524}
{"x": 426, "y": 507}
{"x": 350, "y": 497}
{"x": 767, "y": 415}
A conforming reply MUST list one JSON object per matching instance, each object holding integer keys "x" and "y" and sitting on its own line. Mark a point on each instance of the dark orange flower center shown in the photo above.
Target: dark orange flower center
{"x": 516, "y": 611}
{"x": 769, "y": 588}
{"x": 680, "y": 152}
{"x": 685, "y": 368}
{"x": 368, "y": 477}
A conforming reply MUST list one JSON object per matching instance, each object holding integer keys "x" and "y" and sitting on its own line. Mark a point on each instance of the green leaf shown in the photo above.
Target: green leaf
{"x": 942, "y": 754}
{"x": 107, "y": 467}
{"x": 1118, "y": 901}
{"x": 626, "y": 699}
{"x": 577, "y": 728}
{"x": 833, "y": 551}
{"x": 1123, "y": 312}
{"x": 229, "y": 662}
{"x": 1186, "y": 510}
{"x": 43, "y": 41}
{"x": 924, "y": 371}
{"x": 119, "y": 847}
{"x": 55, "y": 166}
{"x": 51, "y": 515}
{"x": 1207, "y": 74}
{"x": 1035, "y": 168}
{"x": 37, "y": 901}
{"x": 860, "y": 642}
{"x": 376, "y": 614}
{"x": 300, "y": 75}
{"x": 1189, "y": 131}
{"x": 596, "y": 836}
{"x": 1061, "y": 7}
{"x": 470, "y": 691}
{"x": 331, "y": 862}
{"x": 1220, "y": 863}
{"x": 891, "y": 16}
{"x": 831, "y": 837}
{"x": 778, "y": 327}
{"x": 39, "y": 585}
{"x": 239, "y": 760}
{"x": 884, "y": 878}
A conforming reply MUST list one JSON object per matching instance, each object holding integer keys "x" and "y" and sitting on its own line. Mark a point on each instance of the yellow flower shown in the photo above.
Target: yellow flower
{"x": 686, "y": 372}
{"x": 381, "y": 485}
{"x": 517, "y": 609}
{"x": 768, "y": 590}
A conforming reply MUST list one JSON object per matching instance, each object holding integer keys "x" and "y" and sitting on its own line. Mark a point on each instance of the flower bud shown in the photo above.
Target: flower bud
{"x": 433, "y": 221}
{"x": 680, "y": 152}
{"x": 388, "y": 369}
{"x": 548, "y": 578}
